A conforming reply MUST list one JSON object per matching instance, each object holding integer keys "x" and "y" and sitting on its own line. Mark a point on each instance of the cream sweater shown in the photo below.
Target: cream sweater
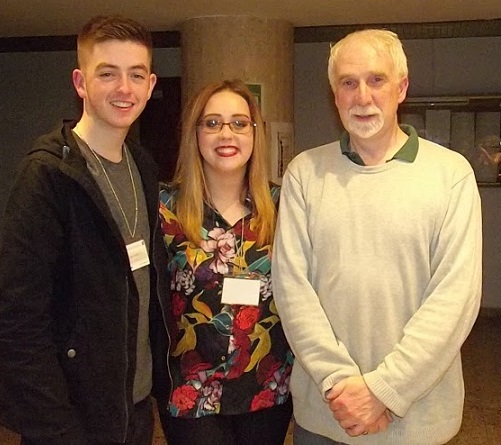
{"x": 377, "y": 272}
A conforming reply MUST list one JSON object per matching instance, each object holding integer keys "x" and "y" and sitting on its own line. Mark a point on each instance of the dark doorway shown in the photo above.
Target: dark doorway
{"x": 159, "y": 125}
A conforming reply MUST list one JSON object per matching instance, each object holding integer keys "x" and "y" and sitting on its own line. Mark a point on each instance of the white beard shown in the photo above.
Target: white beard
{"x": 367, "y": 129}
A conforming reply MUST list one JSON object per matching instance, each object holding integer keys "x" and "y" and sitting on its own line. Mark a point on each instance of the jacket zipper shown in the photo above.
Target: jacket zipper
{"x": 124, "y": 437}
{"x": 162, "y": 308}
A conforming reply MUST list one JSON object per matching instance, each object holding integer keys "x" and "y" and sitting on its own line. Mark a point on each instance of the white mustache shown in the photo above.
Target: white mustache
{"x": 364, "y": 111}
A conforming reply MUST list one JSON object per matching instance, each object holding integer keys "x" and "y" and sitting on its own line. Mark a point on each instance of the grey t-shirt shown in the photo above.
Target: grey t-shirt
{"x": 120, "y": 178}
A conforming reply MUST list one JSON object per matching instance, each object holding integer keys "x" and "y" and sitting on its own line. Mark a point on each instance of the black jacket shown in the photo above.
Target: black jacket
{"x": 68, "y": 301}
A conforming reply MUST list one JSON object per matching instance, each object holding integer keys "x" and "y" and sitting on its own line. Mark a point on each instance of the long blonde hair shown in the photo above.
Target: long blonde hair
{"x": 189, "y": 176}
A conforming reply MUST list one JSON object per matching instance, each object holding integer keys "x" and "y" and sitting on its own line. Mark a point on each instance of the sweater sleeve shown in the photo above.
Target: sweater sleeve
{"x": 433, "y": 336}
{"x": 304, "y": 320}
{"x": 34, "y": 399}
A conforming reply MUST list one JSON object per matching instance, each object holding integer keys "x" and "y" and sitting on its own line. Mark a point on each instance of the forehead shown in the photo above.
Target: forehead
{"x": 116, "y": 52}
{"x": 358, "y": 57}
{"x": 226, "y": 102}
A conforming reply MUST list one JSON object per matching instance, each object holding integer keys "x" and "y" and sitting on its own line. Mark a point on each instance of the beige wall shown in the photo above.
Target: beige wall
{"x": 35, "y": 91}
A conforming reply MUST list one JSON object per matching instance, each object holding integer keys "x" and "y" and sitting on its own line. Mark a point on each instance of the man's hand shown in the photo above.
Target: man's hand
{"x": 356, "y": 409}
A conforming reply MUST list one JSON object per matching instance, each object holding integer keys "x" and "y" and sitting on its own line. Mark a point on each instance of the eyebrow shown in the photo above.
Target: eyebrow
{"x": 104, "y": 65}
{"x": 343, "y": 77}
{"x": 220, "y": 115}
{"x": 370, "y": 73}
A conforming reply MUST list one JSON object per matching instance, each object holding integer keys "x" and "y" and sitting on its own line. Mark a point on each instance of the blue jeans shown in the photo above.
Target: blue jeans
{"x": 304, "y": 437}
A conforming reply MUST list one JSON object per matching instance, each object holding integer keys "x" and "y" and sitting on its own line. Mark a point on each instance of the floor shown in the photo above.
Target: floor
{"x": 482, "y": 368}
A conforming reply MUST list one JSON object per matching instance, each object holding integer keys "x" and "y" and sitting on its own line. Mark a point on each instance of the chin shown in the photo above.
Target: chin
{"x": 122, "y": 125}
{"x": 365, "y": 131}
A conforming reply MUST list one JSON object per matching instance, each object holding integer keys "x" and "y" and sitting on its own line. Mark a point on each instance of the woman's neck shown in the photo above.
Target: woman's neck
{"x": 227, "y": 194}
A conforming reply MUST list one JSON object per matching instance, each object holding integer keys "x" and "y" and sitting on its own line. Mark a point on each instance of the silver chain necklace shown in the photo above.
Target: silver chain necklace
{"x": 131, "y": 232}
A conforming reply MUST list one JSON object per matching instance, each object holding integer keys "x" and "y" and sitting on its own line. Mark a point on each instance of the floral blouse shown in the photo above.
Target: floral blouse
{"x": 225, "y": 359}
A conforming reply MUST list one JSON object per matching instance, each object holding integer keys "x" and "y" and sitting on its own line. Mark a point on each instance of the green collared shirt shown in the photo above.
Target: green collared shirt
{"x": 407, "y": 152}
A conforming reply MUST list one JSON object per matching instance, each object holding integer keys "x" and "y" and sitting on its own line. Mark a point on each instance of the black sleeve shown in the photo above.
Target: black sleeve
{"x": 33, "y": 392}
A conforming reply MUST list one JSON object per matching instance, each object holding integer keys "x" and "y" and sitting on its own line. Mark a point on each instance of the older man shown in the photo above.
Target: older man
{"x": 377, "y": 265}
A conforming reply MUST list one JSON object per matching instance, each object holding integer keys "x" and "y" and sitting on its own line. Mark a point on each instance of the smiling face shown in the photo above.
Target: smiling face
{"x": 115, "y": 82}
{"x": 367, "y": 90}
{"x": 225, "y": 152}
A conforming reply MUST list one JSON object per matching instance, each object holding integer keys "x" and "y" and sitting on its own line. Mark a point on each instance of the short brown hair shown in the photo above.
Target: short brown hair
{"x": 102, "y": 28}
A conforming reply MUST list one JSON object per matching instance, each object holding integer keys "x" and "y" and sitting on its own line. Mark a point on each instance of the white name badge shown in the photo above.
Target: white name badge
{"x": 138, "y": 255}
{"x": 241, "y": 291}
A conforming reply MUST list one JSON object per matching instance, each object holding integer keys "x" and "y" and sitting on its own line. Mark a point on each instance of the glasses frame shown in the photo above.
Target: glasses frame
{"x": 219, "y": 127}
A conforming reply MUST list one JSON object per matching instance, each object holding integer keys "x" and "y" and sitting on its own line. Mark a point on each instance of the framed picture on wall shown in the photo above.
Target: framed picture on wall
{"x": 257, "y": 91}
{"x": 468, "y": 125}
{"x": 282, "y": 148}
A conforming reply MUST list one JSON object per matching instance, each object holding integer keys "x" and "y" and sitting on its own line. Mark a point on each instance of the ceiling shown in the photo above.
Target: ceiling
{"x": 26, "y": 18}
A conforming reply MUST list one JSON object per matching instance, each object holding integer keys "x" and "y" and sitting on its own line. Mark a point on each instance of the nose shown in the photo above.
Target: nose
{"x": 226, "y": 131}
{"x": 124, "y": 84}
{"x": 364, "y": 96}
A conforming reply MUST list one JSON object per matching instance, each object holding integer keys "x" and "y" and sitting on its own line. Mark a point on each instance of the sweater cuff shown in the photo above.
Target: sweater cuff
{"x": 326, "y": 385}
{"x": 387, "y": 395}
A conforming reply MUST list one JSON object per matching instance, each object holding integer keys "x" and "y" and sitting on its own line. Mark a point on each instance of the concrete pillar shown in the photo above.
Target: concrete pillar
{"x": 258, "y": 51}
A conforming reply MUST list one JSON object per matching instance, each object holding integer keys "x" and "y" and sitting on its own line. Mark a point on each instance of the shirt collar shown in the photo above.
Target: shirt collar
{"x": 407, "y": 152}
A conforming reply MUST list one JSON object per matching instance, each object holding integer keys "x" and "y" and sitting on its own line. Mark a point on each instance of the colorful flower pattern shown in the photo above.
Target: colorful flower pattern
{"x": 228, "y": 359}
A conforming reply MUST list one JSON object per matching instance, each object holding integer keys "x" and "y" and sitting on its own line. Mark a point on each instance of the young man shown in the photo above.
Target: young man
{"x": 377, "y": 265}
{"x": 78, "y": 272}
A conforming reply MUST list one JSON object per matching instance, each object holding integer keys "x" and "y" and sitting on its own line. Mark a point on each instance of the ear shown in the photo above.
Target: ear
{"x": 404, "y": 84}
{"x": 153, "y": 81}
{"x": 335, "y": 97}
{"x": 79, "y": 83}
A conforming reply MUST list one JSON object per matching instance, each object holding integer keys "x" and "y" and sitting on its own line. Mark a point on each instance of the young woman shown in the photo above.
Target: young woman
{"x": 229, "y": 360}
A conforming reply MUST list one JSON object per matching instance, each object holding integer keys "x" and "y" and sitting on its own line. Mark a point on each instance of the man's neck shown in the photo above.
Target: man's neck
{"x": 107, "y": 142}
{"x": 380, "y": 148}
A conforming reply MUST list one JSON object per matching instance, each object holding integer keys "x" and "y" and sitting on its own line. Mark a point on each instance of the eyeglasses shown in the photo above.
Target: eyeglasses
{"x": 237, "y": 126}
